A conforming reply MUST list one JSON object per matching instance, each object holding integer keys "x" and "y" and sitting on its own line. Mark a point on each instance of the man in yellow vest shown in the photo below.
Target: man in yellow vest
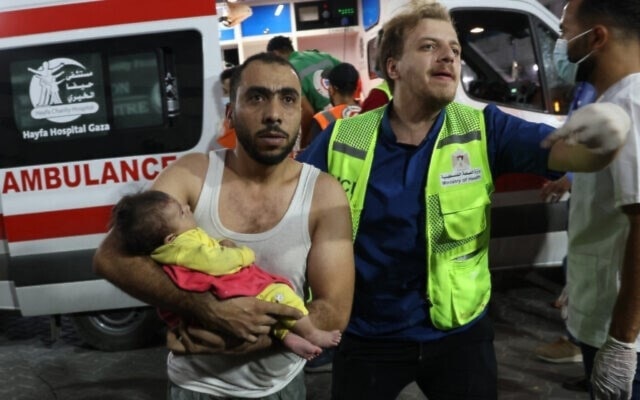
{"x": 419, "y": 173}
{"x": 344, "y": 88}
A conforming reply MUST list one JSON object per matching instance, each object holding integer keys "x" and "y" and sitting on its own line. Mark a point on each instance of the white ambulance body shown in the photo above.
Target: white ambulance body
{"x": 98, "y": 97}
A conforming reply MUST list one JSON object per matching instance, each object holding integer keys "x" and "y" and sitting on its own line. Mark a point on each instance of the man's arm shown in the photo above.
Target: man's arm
{"x": 615, "y": 362}
{"x": 625, "y": 323}
{"x": 590, "y": 138}
{"x": 330, "y": 264}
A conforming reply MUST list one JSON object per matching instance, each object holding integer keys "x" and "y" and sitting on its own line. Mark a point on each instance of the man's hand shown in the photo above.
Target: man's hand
{"x": 553, "y": 191}
{"x": 246, "y": 318}
{"x": 613, "y": 370}
{"x": 182, "y": 340}
{"x": 601, "y": 127}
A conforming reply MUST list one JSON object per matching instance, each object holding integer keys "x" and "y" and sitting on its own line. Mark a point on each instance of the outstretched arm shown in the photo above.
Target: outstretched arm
{"x": 330, "y": 265}
{"x": 590, "y": 138}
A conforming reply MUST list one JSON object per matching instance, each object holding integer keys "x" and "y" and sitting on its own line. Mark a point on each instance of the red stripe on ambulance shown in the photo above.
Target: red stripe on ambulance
{"x": 56, "y": 224}
{"x": 2, "y": 234}
{"x": 98, "y": 13}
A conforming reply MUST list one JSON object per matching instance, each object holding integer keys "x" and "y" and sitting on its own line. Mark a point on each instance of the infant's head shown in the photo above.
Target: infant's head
{"x": 150, "y": 219}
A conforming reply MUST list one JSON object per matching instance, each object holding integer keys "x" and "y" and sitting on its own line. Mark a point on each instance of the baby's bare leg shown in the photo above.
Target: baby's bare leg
{"x": 301, "y": 346}
{"x": 305, "y": 328}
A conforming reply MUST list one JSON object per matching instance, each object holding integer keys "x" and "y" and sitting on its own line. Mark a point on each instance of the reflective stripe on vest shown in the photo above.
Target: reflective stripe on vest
{"x": 457, "y": 198}
{"x": 324, "y": 118}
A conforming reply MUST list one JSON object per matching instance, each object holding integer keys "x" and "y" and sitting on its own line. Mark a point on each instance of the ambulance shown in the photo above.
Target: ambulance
{"x": 98, "y": 96}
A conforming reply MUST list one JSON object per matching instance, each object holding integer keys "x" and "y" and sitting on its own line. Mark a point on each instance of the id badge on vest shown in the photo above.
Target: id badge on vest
{"x": 461, "y": 170}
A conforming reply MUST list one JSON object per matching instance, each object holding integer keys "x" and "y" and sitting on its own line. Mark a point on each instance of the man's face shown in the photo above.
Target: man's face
{"x": 266, "y": 113}
{"x": 429, "y": 68}
{"x": 571, "y": 27}
{"x": 577, "y": 36}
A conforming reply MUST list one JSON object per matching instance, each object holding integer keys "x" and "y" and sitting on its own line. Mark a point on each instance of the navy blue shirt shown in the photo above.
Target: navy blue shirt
{"x": 390, "y": 250}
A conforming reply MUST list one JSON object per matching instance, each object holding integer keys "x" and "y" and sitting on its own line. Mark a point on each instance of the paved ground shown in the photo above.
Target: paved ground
{"x": 33, "y": 367}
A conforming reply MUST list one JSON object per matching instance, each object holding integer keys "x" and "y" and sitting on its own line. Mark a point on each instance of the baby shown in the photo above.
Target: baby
{"x": 155, "y": 223}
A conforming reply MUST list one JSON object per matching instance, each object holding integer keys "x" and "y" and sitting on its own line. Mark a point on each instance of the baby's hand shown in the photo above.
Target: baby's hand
{"x": 227, "y": 243}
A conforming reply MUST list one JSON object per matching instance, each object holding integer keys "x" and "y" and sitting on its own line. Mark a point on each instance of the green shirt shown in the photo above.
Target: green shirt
{"x": 309, "y": 64}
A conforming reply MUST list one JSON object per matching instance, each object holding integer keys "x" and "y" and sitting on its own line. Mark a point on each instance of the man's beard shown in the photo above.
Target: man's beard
{"x": 585, "y": 70}
{"x": 246, "y": 141}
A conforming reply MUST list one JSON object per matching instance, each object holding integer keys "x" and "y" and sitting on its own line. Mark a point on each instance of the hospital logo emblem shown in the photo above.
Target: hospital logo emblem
{"x": 61, "y": 90}
{"x": 462, "y": 172}
{"x": 460, "y": 160}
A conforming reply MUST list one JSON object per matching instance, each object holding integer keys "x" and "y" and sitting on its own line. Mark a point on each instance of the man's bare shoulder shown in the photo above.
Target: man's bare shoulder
{"x": 184, "y": 177}
{"x": 329, "y": 192}
{"x": 192, "y": 160}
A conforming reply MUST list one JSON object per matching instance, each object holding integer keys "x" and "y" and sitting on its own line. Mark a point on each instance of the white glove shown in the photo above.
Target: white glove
{"x": 613, "y": 370}
{"x": 601, "y": 127}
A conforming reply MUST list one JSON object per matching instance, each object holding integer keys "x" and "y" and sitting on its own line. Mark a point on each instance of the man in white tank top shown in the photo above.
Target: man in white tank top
{"x": 295, "y": 218}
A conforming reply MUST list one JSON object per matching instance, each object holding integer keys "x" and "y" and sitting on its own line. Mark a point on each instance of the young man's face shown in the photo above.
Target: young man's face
{"x": 571, "y": 28}
{"x": 266, "y": 113}
{"x": 429, "y": 68}
{"x": 179, "y": 217}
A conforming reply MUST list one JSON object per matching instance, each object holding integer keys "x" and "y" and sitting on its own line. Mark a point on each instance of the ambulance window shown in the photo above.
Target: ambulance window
{"x": 500, "y": 64}
{"x": 102, "y": 98}
{"x": 560, "y": 92}
{"x": 135, "y": 90}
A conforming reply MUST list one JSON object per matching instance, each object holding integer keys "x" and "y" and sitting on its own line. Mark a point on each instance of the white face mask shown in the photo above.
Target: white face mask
{"x": 566, "y": 69}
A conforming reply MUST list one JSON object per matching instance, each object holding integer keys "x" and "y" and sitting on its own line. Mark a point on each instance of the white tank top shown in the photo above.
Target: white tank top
{"x": 282, "y": 250}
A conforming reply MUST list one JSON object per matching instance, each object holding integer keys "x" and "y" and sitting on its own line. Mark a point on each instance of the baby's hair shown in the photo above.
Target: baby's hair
{"x": 140, "y": 222}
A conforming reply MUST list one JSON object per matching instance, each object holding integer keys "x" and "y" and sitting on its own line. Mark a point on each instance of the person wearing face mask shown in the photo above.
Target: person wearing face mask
{"x": 566, "y": 69}
{"x": 603, "y": 272}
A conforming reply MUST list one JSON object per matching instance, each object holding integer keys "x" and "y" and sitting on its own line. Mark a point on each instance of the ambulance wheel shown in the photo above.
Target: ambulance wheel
{"x": 117, "y": 330}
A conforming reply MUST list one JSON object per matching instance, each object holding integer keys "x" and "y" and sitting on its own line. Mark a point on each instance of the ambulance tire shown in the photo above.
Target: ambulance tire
{"x": 119, "y": 330}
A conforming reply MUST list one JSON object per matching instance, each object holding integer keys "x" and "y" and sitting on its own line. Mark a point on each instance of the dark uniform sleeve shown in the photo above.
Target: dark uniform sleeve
{"x": 514, "y": 145}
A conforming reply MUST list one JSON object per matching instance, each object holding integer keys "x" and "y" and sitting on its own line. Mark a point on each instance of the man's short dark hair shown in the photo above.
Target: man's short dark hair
{"x": 344, "y": 77}
{"x": 621, "y": 14}
{"x": 280, "y": 43}
{"x": 226, "y": 73}
{"x": 267, "y": 58}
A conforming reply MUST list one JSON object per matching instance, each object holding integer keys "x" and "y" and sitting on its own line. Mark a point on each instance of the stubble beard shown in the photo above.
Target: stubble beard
{"x": 267, "y": 159}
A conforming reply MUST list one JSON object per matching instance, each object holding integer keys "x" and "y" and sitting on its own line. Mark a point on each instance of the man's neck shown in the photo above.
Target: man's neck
{"x": 411, "y": 121}
{"x": 249, "y": 170}
{"x": 339, "y": 100}
{"x": 620, "y": 61}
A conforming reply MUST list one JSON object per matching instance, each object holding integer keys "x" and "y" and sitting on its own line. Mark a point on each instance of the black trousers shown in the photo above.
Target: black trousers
{"x": 461, "y": 366}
